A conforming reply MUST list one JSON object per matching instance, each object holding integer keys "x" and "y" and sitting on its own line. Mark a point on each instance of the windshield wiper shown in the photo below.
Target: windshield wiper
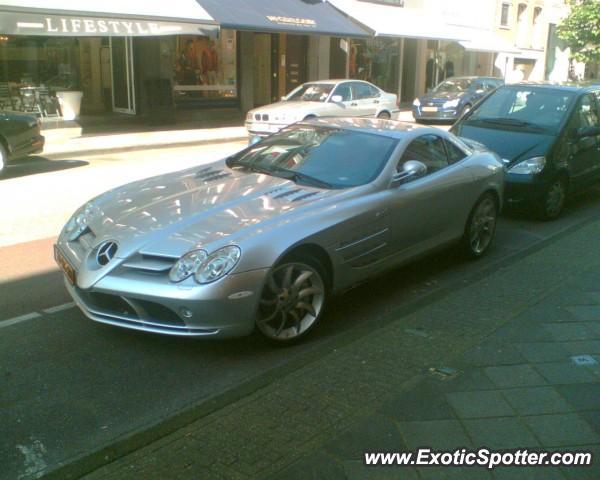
{"x": 513, "y": 122}
{"x": 299, "y": 177}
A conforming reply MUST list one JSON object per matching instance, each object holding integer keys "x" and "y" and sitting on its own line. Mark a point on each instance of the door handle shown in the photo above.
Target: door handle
{"x": 375, "y": 101}
{"x": 354, "y": 104}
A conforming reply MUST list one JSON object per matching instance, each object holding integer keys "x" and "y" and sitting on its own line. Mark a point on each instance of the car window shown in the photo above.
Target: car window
{"x": 340, "y": 158}
{"x": 344, "y": 91}
{"x": 364, "y": 90}
{"x": 311, "y": 92}
{"x": 586, "y": 114}
{"x": 428, "y": 149}
{"x": 523, "y": 107}
{"x": 454, "y": 85}
{"x": 455, "y": 154}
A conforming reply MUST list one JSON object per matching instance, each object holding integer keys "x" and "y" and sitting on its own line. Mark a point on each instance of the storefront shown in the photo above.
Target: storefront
{"x": 106, "y": 55}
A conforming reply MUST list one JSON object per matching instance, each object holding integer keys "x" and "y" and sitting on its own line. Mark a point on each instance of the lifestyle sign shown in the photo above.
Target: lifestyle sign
{"x": 12, "y": 23}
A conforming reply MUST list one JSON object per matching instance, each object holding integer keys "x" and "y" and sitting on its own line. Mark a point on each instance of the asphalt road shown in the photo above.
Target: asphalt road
{"x": 69, "y": 386}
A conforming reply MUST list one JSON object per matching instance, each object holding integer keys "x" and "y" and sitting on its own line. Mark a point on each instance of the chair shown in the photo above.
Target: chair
{"x": 29, "y": 100}
{"x": 7, "y": 99}
{"x": 48, "y": 103}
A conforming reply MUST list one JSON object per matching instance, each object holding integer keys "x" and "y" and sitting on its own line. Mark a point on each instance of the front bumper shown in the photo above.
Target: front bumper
{"x": 524, "y": 190}
{"x": 225, "y": 308}
{"x": 36, "y": 145}
{"x": 262, "y": 129}
{"x": 441, "y": 114}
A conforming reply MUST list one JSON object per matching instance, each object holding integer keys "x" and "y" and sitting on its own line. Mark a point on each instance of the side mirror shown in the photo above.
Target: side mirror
{"x": 411, "y": 170}
{"x": 337, "y": 99}
{"x": 584, "y": 132}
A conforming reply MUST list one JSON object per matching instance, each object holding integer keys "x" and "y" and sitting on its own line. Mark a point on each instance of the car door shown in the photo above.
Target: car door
{"x": 366, "y": 99}
{"x": 583, "y": 153}
{"x": 429, "y": 211}
{"x": 345, "y": 108}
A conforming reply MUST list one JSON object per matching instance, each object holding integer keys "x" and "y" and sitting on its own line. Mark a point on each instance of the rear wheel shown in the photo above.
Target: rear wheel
{"x": 553, "y": 200}
{"x": 384, "y": 115}
{"x": 293, "y": 299}
{"x": 481, "y": 226}
{"x": 3, "y": 158}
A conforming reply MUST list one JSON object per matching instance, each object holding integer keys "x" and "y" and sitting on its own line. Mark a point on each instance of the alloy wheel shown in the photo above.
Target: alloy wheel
{"x": 292, "y": 301}
{"x": 482, "y": 226}
{"x": 555, "y": 199}
{"x": 384, "y": 116}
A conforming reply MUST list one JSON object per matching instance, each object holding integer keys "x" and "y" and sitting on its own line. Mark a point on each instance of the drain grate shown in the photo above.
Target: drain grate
{"x": 584, "y": 360}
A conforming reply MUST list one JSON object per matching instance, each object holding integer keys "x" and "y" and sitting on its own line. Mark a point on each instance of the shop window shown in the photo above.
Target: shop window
{"x": 205, "y": 67}
{"x": 375, "y": 60}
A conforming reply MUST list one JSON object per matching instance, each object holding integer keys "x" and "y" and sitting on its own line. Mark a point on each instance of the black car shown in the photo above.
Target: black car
{"x": 19, "y": 136}
{"x": 453, "y": 97}
{"x": 548, "y": 136}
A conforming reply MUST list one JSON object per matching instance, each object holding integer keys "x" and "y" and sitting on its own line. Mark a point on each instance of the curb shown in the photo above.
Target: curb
{"x": 87, "y": 463}
{"x": 134, "y": 148}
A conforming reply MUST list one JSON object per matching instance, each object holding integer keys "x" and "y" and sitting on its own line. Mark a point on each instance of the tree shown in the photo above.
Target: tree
{"x": 581, "y": 30}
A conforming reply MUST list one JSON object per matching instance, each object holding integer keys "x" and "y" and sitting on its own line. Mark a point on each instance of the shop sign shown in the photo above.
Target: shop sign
{"x": 292, "y": 21}
{"x": 29, "y": 24}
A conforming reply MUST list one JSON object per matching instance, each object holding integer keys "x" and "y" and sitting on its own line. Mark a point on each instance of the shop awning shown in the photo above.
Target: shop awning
{"x": 286, "y": 16}
{"x": 104, "y": 18}
{"x": 396, "y": 21}
{"x": 486, "y": 41}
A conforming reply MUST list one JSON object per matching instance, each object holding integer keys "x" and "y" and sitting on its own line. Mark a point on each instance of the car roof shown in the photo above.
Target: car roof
{"x": 474, "y": 77}
{"x": 567, "y": 86}
{"x": 387, "y": 128}
{"x": 333, "y": 81}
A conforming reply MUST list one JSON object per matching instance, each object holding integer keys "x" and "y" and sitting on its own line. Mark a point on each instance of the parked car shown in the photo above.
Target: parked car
{"x": 326, "y": 98}
{"x": 453, "y": 97}
{"x": 19, "y": 137}
{"x": 548, "y": 136}
{"x": 263, "y": 238}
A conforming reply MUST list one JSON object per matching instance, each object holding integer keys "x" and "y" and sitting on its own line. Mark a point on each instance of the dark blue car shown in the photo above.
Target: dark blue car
{"x": 453, "y": 97}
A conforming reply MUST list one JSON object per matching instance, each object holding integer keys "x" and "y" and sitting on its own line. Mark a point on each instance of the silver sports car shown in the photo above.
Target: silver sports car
{"x": 264, "y": 237}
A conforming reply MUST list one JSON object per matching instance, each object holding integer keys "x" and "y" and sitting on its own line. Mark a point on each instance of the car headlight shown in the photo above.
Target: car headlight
{"x": 249, "y": 116}
{"x": 80, "y": 221}
{"x": 452, "y": 103}
{"x": 417, "y": 102}
{"x": 218, "y": 264}
{"x": 529, "y": 167}
{"x": 187, "y": 265}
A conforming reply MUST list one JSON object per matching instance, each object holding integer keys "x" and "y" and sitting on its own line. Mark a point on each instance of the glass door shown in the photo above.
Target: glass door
{"x": 121, "y": 59}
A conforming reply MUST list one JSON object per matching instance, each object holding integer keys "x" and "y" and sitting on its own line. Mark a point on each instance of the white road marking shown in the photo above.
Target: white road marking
{"x": 22, "y": 318}
{"x": 59, "y": 308}
{"x": 34, "y": 462}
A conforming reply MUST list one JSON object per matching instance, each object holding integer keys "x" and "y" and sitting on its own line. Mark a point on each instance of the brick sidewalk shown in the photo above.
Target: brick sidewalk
{"x": 510, "y": 337}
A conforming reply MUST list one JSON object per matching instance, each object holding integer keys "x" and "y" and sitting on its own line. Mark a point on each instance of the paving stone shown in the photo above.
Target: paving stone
{"x": 536, "y": 400}
{"x": 583, "y": 396}
{"x": 357, "y": 470}
{"x": 550, "y": 311}
{"x": 587, "y": 472}
{"x": 435, "y": 434}
{"x": 593, "y": 419}
{"x": 454, "y": 473}
{"x": 582, "y": 347}
{"x": 500, "y": 433}
{"x": 486, "y": 403}
{"x": 520, "y": 332}
{"x": 570, "y": 331}
{"x": 536, "y": 352}
{"x": 586, "y": 313}
{"x": 313, "y": 467}
{"x": 562, "y": 429}
{"x": 493, "y": 354}
{"x": 469, "y": 380}
{"x": 528, "y": 473}
{"x": 374, "y": 434}
{"x": 514, "y": 376}
{"x": 562, "y": 373}
{"x": 424, "y": 402}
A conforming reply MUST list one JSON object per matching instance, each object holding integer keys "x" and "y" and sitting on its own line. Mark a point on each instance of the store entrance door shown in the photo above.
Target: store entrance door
{"x": 295, "y": 74}
{"x": 123, "y": 89}
{"x": 262, "y": 69}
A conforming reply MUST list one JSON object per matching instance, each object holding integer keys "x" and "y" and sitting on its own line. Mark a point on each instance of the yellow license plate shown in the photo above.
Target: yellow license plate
{"x": 65, "y": 266}
{"x": 430, "y": 109}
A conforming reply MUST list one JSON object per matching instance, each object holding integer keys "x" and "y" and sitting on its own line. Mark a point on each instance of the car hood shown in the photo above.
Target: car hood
{"x": 512, "y": 146}
{"x": 197, "y": 208}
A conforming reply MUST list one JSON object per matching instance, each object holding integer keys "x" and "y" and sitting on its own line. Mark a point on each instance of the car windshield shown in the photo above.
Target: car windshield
{"x": 454, "y": 85}
{"x": 324, "y": 157}
{"x": 523, "y": 108}
{"x": 311, "y": 92}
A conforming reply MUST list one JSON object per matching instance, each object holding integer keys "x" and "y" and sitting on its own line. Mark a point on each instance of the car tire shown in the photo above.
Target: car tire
{"x": 553, "y": 201}
{"x": 384, "y": 116}
{"x": 3, "y": 158}
{"x": 481, "y": 226}
{"x": 293, "y": 299}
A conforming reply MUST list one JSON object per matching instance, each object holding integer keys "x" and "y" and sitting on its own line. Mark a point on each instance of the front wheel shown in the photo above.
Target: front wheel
{"x": 481, "y": 226}
{"x": 384, "y": 115}
{"x": 553, "y": 200}
{"x": 3, "y": 158}
{"x": 293, "y": 299}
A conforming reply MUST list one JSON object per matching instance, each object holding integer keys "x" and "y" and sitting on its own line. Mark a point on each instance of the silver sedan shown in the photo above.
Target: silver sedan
{"x": 262, "y": 239}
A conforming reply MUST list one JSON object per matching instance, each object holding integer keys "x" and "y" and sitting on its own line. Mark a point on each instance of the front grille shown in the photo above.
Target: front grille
{"x": 264, "y": 117}
{"x": 150, "y": 263}
{"x": 111, "y": 304}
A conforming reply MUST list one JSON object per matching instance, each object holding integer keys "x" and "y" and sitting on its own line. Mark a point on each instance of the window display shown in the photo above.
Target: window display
{"x": 205, "y": 67}
{"x": 375, "y": 60}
